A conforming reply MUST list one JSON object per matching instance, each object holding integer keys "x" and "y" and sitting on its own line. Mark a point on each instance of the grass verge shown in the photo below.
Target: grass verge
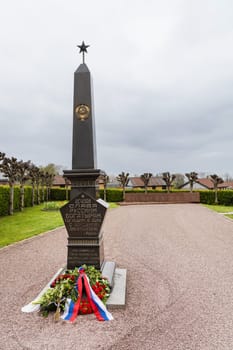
{"x": 113, "y": 205}
{"x": 220, "y": 208}
{"x": 230, "y": 216}
{"x": 30, "y": 222}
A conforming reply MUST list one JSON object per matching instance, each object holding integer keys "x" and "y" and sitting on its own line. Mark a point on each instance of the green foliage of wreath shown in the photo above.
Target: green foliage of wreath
{"x": 63, "y": 287}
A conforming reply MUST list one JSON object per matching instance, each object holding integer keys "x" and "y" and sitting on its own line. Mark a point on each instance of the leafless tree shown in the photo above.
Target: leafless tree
{"x": 38, "y": 182}
{"x": 123, "y": 178}
{"x": 146, "y": 178}
{"x": 48, "y": 183}
{"x": 168, "y": 179}
{"x": 9, "y": 168}
{"x": 22, "y": 177}
{"x": 192, "y": 177}
{"x": 33, "y": 174}
{"x": 42, "y": 181}
{"x": 228, "y": 177}
{"x": 106, "y": 180}
{"x": 2, "y": 156}
{"x": 216, "y": 180}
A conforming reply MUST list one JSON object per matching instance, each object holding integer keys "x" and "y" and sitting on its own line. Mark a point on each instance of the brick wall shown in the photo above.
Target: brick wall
{"x": 177, "y": 197}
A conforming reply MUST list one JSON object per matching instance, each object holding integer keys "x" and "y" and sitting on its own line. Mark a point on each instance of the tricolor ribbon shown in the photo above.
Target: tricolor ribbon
{"x": 98, "y": 307}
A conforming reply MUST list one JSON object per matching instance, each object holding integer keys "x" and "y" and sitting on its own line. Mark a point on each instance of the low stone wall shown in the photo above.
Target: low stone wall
{"x": 177, "y": 197}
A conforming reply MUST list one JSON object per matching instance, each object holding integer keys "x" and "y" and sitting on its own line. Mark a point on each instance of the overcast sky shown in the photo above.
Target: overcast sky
{"x": 162, "y": 74}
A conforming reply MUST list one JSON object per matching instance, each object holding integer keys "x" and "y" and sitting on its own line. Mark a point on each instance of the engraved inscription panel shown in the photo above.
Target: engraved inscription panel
{"x": 83, "y": 183}
{"x": 83, "y": 216}
{"x": 78, "y": 256}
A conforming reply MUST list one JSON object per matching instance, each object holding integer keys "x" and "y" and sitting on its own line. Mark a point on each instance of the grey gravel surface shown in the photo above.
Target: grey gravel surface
{"x": 179, "y": 261}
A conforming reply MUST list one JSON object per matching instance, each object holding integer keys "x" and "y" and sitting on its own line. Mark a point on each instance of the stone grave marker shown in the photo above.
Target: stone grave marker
{"x": 83, "y": 217}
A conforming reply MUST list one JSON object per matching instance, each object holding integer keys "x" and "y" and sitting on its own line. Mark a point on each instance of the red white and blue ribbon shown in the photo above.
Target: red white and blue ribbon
{"x": 98, "y": 307}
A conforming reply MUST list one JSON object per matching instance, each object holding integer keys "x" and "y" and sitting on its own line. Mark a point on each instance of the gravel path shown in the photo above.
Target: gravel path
{"x": 179, "y": 260}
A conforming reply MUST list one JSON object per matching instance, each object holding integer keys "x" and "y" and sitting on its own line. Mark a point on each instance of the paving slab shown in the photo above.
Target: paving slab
{"x": 108, "y": 271}
{"x": 117, "y": 297}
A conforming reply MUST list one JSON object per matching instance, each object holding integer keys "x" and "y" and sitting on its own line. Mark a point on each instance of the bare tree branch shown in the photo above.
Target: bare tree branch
{"x": 146, "y": 178}
{"x": 123, "y": 178}
{"x": 168, "y": 179}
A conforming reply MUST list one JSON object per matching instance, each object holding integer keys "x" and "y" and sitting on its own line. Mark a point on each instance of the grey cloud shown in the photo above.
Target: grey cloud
{"x": 162, "y": 74}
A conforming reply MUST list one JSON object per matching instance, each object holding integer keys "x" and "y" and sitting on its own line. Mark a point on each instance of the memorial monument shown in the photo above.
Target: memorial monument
{"x": 83, "y": 215}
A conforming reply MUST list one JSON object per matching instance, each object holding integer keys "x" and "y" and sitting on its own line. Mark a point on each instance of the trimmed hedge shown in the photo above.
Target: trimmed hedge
{"x": 207, "y": 197}
{"x": 225, "y": 197}
{"x": 112, "y": 194}
{"x": 58, "y": 194}
{"x": 4, "y": 200}
{"x": 16, "y": 197}
{"x": 27, "y": 196}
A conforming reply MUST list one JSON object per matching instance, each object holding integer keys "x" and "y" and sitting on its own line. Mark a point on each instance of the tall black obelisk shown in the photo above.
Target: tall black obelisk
{"x": 83, "y": 215}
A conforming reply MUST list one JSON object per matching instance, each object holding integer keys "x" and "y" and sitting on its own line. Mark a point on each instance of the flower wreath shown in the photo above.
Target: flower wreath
{"x": 83, "y": 290}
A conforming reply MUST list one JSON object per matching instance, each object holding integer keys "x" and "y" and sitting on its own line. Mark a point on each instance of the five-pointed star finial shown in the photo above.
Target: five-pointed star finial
{"x": 83, "y": 49}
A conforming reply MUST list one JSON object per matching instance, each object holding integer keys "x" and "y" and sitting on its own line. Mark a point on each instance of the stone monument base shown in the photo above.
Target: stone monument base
{"x": 115, "y": 276}
{"x": 81, "y": 251}
{"x": 83, "y": 180}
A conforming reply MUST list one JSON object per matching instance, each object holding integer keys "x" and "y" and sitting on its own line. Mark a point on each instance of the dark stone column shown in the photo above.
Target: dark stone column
{"x": 84, "y": 144}
{"x": 83, "y": 215}
{"x": 83, "y": 181}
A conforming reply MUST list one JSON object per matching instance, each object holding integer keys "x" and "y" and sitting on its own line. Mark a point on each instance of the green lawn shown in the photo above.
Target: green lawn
{"x": 31, "y": 222}
{"x": 230, "y": 216}
{"x": 113, "y": 205}
{"x": 220, "y": 208}
{"x": 28, "y": 223}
